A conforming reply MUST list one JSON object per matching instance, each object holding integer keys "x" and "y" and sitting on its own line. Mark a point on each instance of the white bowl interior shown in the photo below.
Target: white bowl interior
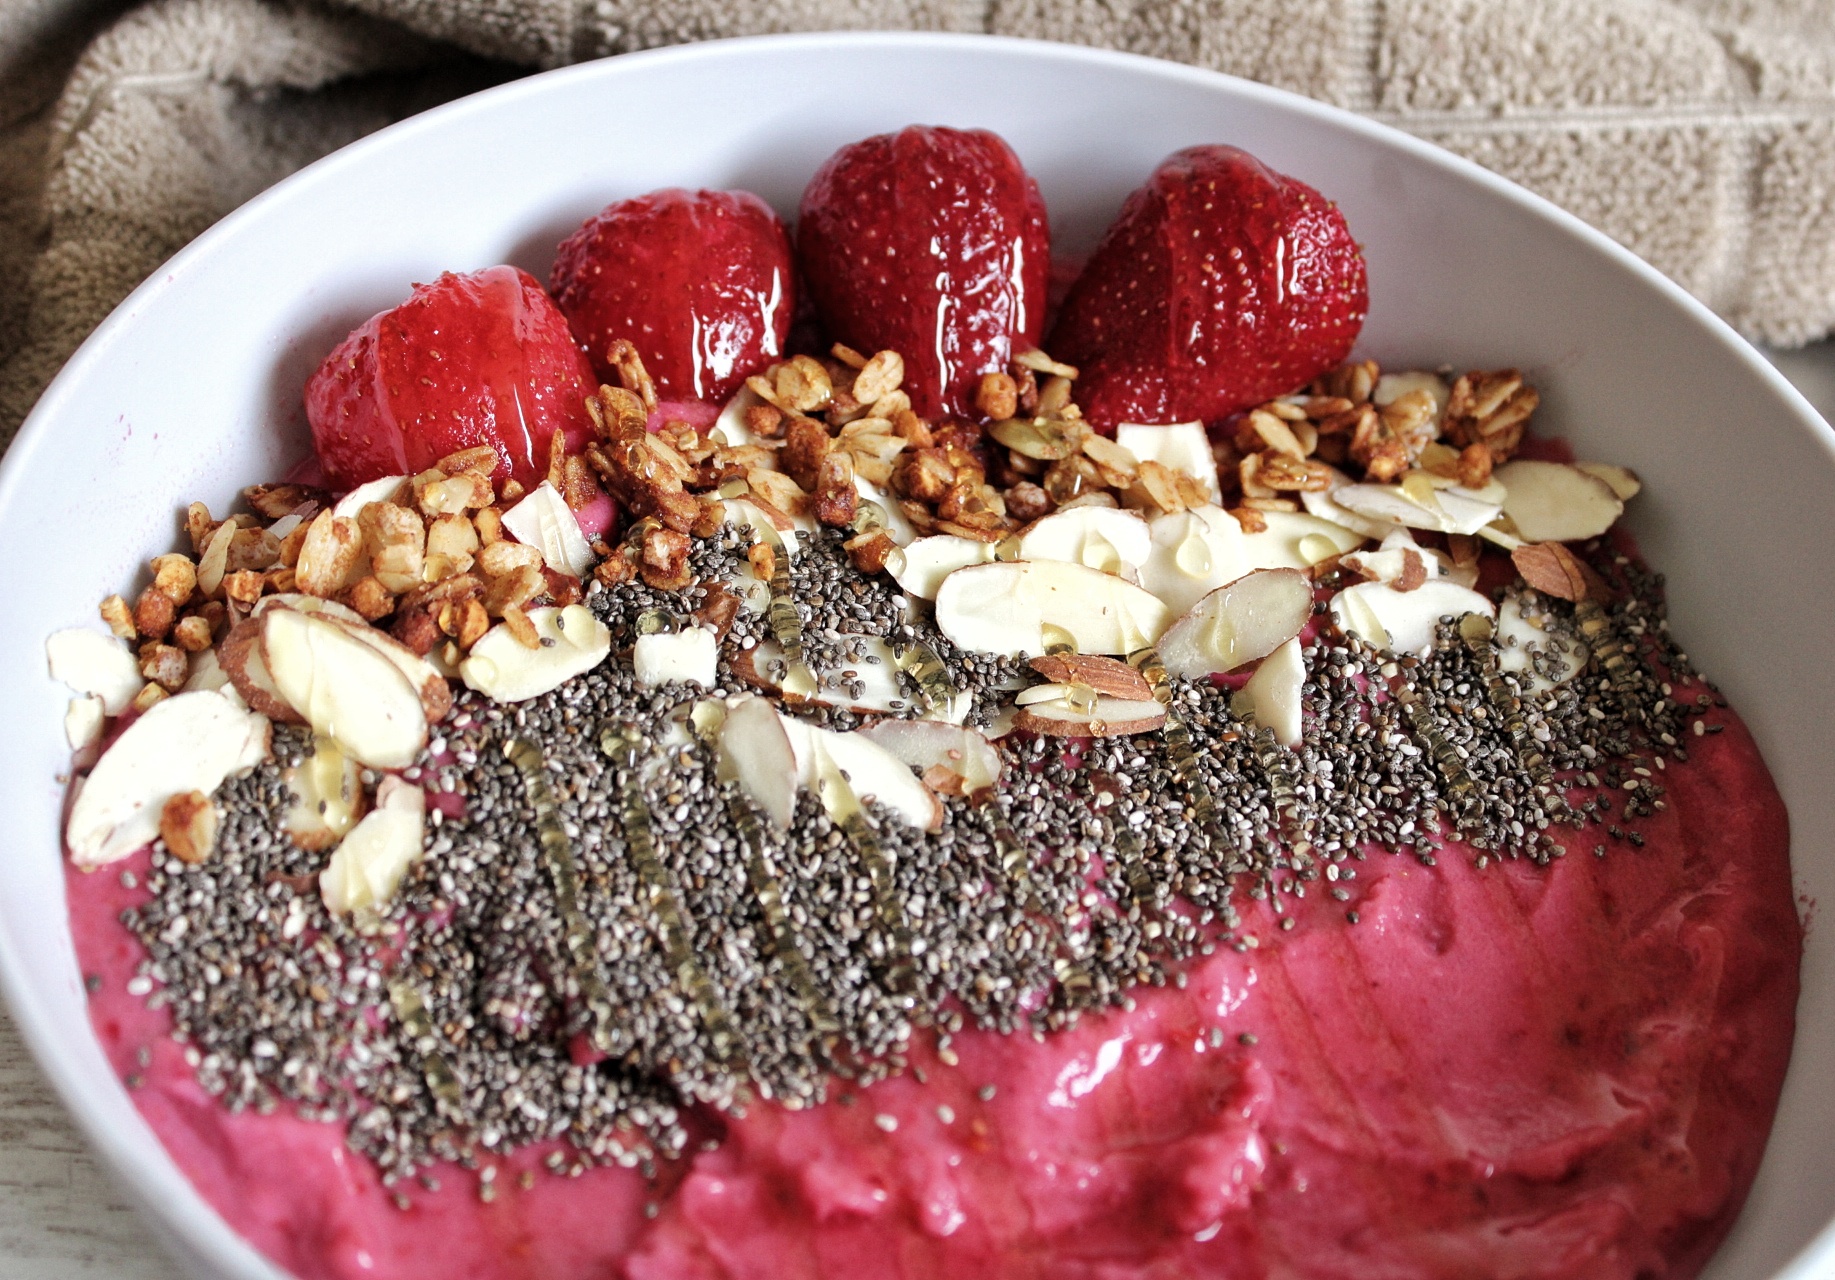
{"x": 191, "y": 390}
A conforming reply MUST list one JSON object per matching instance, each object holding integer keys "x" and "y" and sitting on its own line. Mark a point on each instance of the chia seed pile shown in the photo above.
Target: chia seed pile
{"x": 280, "y": 1002}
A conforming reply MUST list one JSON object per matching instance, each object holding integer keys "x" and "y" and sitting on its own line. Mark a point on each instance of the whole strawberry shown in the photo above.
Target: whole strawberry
{"x": 933, "y": 243}
{"x": 1220, "y": 285}
{"x": 481, "y": 358}
{"x": 700, "y": 282}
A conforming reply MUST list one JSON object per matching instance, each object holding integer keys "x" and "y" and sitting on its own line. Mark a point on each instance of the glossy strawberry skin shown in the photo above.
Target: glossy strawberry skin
{"x": 1220, "y": 285}
{"x": 700, "y": 282}
{"x": 933, "y": 243}
{"x": 480, "y": 358}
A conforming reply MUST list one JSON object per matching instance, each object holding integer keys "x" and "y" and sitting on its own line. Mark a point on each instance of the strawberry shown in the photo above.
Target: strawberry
{"x": 700, "y": 282}
{"x": 482, "y": 358}
{"x": 933, "y": 243}
{"x": 1220, "y": 285}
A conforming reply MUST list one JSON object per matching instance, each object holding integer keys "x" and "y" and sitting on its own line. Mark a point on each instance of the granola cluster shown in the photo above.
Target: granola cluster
{"x": 431, "y": 564}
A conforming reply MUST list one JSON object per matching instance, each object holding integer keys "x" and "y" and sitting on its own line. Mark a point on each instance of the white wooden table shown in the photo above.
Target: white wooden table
{"x": 60, "y": 1218}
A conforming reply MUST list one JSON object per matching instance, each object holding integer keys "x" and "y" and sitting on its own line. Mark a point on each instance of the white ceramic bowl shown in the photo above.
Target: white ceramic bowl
{"x": 192, "y": 389}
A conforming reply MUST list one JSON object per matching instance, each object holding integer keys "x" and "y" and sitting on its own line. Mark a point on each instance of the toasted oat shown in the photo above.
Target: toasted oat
{"x": 1039, "y": 362}
{"x": 520, "y": 626}
{"x": 1492, "y": 409}
{"x": 879, "y": 377}
{"x": 479, "y": 459}
{"x": 272, "y": 501}
{"x": 632, "y": 375}
{"x": 199, "y": 526}
{"x": 1276, "y": 434}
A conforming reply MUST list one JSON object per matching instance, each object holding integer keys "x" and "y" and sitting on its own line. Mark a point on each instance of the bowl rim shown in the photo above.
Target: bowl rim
{"x": 146, "y": 1173}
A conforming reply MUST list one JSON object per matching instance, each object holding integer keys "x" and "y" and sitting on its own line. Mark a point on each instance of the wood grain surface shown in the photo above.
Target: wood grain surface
{"x": 60, "y": 1218}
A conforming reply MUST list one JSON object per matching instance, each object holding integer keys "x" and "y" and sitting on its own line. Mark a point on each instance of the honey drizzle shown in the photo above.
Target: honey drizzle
{"x": 921, "y": 663}
{"x": 799, "y": 682}
{"x": 577, "y": 934}
{"x": 623, "y": 744}
{"x": 442, "y": 1082}
{"x": 1016, "y": 863}
{"x": 786, "y": 942}
{"x": 901, "y": 969}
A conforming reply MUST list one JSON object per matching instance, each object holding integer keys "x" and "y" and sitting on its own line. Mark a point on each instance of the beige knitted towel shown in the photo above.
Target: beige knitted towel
{"x": 1700, "y": 133}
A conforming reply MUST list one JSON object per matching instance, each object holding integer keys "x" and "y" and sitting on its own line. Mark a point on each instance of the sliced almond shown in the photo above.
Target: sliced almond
{"x": 1404, "y": 621}
{"x": 1623, "y": 481}
{"x": 1101, "y": 538}
{"x": 1393, "y": 386}
{"x": 328, "y": 797}
{"x": 435, "y": 693}
{"x": 345, "y": 688}
{"x": 386, "y": 489}
{"x": 1293, "y": 540}
{"x": 504, "y": 669}
{"x": 691, "y": 656}
{"x": 754, "y": 752}
{"x": 921, "y": 566}
{"x": 83, "y": 721}
{"x": 1551, "y": 569}
{"x": 90, "y": 662}
{"x": 1553, "y": 502}
{"x": 1109, "y": 718}
{"x": 930, "y": 746}
{"x": 1182, "y": 446}
{"x": 239, "y": 656}
{"x": 1237, "y": 624}
{"x": 1193, "y": 553}
{"x": 1324, "y": 504}
{"x": 188, "y": 742}
{"x": 1537, "y": 655}
{"x": 307, "y": 604}
{"x": 1273, "y": 695}
{"x": 1397, "y": 561}
{"x": 842, "y": 768}
{"x": 368, "y": 866}
{"x": 544, "y": 521}
{"x": 1006, "y": 607}
{"x": 1444, "y": 511}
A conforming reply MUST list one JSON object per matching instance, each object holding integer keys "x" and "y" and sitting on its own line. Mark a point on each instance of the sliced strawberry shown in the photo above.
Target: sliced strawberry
{"x": 1220, "y": 285}
{"x": 700, "y": 282}
{"x": 933, "y": 243}
{"x": 482, "y": 358}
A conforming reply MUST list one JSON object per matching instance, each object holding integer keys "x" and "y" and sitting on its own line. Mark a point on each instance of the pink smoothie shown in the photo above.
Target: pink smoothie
{"x": 1511, "y": 1073}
